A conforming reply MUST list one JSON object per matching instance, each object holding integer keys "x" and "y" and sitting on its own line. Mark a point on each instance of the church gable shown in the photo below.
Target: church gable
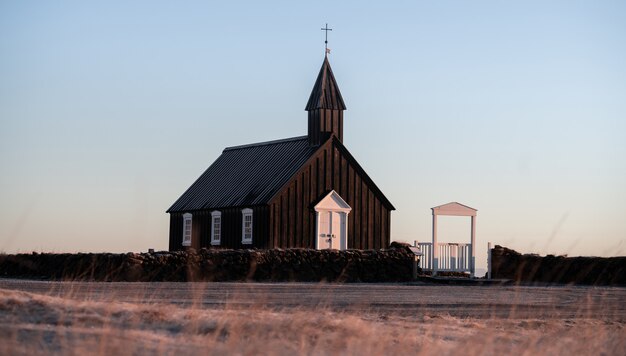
{"x": 332, "y": 167}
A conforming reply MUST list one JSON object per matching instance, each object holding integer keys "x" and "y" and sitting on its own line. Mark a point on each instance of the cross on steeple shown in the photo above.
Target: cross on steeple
{"x": 326, "y": 38}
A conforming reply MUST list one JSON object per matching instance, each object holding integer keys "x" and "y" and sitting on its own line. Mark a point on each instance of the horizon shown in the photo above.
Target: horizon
{"x": 109, "y": 113}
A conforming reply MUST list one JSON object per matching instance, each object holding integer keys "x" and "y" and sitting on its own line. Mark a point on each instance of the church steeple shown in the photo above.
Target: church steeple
{"x": 325, "y": 107}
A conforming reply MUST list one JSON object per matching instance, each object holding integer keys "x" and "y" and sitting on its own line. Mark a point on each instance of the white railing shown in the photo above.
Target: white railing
{"x": 453, "y": 257}
{"x": 426, "y": 260}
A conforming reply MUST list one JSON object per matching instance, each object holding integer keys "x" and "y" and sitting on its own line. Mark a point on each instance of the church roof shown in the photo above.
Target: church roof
{"x": 246, "y": 175}
{"x": 325, "y": 93}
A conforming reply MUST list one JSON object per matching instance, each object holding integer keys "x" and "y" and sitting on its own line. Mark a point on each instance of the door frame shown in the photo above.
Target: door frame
{"x": 333, "y": 202}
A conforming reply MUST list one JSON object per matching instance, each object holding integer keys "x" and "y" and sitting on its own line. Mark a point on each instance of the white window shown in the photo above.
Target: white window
{"x": 187, "y": 229}
{"x": 216, "y": 227}
{"x": 246, "y": 227}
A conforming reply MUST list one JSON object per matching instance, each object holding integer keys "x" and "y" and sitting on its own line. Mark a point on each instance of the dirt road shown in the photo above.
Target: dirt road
{"x": 459, "y": 301}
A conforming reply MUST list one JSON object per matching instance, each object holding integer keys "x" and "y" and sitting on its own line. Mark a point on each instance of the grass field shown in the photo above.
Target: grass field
{"x": 285, "y": 319}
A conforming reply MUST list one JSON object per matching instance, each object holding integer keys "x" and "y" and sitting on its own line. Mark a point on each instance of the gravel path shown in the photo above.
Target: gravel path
{"x": 397, "y": 299}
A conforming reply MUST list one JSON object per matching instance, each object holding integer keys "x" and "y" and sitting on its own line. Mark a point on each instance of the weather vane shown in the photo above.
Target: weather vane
{"x": 326, "y": 39}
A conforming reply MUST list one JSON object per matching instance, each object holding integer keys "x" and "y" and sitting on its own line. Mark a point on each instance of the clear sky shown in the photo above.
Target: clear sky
{"x": 110, "y": 110}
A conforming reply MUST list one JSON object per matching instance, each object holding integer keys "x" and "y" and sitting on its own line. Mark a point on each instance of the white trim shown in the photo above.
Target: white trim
{"x": 317, "y": 230}
{"x": 246, "y": 236}
{"x": 187, "y": 223}
{"x": 454, "y": 209}
{"x": 333, "y": 201}
{"x": 216, "y": 221}
{"x": 343, "y": 225}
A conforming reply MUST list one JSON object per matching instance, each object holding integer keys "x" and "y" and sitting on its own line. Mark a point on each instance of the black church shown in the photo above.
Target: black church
{"x": 305, "y": 191}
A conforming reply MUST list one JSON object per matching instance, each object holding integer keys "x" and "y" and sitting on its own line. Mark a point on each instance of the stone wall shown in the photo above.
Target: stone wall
{"x": 390, "y": 265}
{"x": 510, "y": 264}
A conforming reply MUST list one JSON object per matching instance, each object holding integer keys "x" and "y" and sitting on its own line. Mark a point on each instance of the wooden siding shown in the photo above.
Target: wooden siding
{"x": 292, "y": 217}
{"x": 323, "y": 123}
{"x": 231, "y": 229}
{"x": 176, "y": 231}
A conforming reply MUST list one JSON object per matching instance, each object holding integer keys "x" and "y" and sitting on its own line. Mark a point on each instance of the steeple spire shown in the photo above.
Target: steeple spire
{"x": 325, "y": 93}
{"x": 325, "y": 107}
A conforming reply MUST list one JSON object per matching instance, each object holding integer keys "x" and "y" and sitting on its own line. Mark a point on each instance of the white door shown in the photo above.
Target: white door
{"x": 331, "y": 230}
{"x": 324, "y": 232}
{"x": 335, "y": 230}
{"x": 343, "y": 239}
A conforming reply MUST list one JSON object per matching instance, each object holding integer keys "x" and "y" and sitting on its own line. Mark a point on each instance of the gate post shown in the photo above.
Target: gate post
{"x": 473, "y": 248}
{"x": 488, "y": 260}
{"x": 435, "y": 249}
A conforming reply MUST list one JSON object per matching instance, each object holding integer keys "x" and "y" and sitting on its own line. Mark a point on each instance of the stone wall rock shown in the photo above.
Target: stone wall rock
{"x": 305, "y": 265}
{"x": 532, "y": 268}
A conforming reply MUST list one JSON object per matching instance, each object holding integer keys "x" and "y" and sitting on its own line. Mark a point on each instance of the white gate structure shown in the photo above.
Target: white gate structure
{"x": 446, "y": 256}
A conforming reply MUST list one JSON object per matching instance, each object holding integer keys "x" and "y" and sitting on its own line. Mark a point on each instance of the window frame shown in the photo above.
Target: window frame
{"x": 216, "y": 215}
{"x": 187, "y": 222}
{"x": 244, "y": 214}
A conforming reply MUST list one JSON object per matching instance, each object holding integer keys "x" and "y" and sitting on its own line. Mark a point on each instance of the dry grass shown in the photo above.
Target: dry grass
{"x": 36, "y": 324}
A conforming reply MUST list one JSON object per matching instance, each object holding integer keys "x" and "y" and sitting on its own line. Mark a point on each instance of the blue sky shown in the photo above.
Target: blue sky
{"x": 110, "y": 110}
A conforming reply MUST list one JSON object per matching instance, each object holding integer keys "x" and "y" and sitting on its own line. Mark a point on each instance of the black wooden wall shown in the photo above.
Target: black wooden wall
{"x": 291, "y": 215}
{"x": 231, "y": 229}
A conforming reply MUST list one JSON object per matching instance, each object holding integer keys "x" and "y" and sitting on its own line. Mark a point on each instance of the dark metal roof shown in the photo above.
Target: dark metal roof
{"x": 246, "y": 175}
{"x": 325, "y": 93}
